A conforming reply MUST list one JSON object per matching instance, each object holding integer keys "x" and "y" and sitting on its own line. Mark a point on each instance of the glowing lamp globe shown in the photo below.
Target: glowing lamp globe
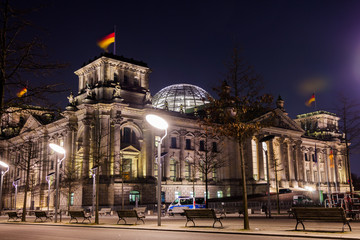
{"x": 157, "y": 121}
{"x": 57, "y": 148}
{"x": 4, "y": 164}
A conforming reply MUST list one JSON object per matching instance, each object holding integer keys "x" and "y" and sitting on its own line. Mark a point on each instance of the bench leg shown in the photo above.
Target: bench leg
{"x": 301, "y": 224}
{"x": 346, "y": 223}
{"x": 120, "y": 220}
{"x": 72, "y": 219}
{"x": 86, "y": 218}
{"x": 189, "y": 220}
{"x": 217, "y": 220}
{"x": 140, "y": 220}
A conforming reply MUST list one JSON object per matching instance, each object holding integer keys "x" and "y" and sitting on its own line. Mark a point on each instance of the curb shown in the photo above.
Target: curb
{"x": 188, "y": 230}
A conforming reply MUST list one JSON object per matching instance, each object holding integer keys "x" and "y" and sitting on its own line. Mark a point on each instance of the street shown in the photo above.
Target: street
{"x": 39, "y": 232}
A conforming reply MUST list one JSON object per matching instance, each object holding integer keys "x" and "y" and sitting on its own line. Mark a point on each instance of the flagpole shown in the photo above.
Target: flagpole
{"x": 114, "y": 39}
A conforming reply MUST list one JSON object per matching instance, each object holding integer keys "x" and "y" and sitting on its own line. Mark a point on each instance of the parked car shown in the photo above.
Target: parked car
{"x": 301, "y": 200}
{"x": 182, "y": 202}
{"x": 285, "y": 190}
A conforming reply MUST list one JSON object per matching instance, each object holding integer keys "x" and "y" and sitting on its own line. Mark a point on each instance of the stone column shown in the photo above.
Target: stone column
{"x": 86, "y": 147}
{"x": 261, "y": 160}
{"x": 182, "y": 154}
{"x": 290, "y": 155}
{"x": 271, "y": 155}
{"x": 166, "y": 164}
{"x": 115, "y": 123}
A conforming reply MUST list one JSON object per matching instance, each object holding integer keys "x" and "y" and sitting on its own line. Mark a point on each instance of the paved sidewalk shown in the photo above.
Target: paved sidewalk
{"x": 277, "y": 226}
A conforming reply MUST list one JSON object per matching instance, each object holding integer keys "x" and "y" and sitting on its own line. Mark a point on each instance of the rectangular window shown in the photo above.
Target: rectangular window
{"x": 173, "y": 142}
{"x": 306, "y": 157}
{"x": 188, "y": 144}
{"x": 72, "y": 199}
{"x": 214, "y": 147}
{"x": 52, "y": 165}
{"x": 313, "y": 158}
{"x": 202, "y": 145}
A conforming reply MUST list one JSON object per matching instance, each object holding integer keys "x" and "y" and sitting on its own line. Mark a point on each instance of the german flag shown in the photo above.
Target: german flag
{"x": 312, "y": 99}
{"x": 22, "y": 92}
{"x": 106, "y": 41}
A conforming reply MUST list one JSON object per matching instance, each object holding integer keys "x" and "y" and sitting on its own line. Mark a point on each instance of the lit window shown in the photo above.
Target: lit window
{"x": 219, "y": 194}
{"x": 72, "y": 199}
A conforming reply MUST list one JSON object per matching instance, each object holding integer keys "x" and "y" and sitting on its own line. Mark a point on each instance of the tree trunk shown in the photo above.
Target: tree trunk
{"x": 244, "y": 185}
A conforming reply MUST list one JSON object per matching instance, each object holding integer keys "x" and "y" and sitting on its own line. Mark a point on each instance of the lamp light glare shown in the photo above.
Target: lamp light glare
{"x": 57, "y": 148}
{"x": 4, "y": 164}
{"x": 157, "y": 122}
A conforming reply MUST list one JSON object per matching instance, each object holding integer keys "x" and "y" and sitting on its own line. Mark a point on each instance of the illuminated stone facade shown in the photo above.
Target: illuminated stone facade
{"x": 104, "y": 125}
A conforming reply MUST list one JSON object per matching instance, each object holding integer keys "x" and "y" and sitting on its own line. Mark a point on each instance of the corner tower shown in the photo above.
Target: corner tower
{"x": 110, "y": 77}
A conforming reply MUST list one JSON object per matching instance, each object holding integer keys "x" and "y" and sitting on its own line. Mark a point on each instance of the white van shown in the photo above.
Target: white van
{"x": 182, "y": 202}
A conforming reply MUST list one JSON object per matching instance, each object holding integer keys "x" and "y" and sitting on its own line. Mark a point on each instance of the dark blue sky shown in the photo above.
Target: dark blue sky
{"x": 290, "y": 43}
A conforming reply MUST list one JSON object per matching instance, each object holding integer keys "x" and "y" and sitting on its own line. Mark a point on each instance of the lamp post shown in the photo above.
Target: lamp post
{"x": 61, "y": 150}
{"x": 3, "y": 165}
{"x": 264, "y": 147}
{"x": 48, "y": 179}
{"x": 15, "y": 184}
{"x": 161, "y": 124}
{"x": 93, "y": 173}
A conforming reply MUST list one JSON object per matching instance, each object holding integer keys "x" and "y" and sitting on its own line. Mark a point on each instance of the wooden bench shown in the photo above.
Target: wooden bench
{"x": 42, "y": 215}
{"x": 122, "y": 214}
{"x": 191, "y": 214}
{"x": 13, "y": 215}
{"x": 140, "y": 210}
{"x": 79, "y": 214}
{"x": 229, "y": 209}
{"x": 320, "y": 214}
{"x": 105, "y": 211}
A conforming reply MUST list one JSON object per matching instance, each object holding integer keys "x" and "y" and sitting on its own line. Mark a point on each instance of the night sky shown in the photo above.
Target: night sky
{"x": 297, "y": 46}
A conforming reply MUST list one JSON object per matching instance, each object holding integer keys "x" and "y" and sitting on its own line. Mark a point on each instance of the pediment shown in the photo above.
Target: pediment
{"x": 30, "y": 124}
{"x": 130, "y": 149}
{"x": 280, "y": 120}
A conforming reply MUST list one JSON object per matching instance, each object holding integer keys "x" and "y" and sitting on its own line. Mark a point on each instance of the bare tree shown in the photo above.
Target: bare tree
{"x": 240, "y": 102}
{"x": 208, "y": 161}
{"x": 348, "y": 112}
{"x": 22, "y": 57}
{"x": 70, "y": 180}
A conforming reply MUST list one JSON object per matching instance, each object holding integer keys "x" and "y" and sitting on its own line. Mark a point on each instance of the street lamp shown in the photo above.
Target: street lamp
{"x": 264, "y": 147}
{"x": 60, "y": 150}
{"x": 161, "y": 124}
{"x": 15, "y": 184}
{"x": 3, "y": 165}
{"x": 93, "y": 173}
{"x": 48, "y": 179}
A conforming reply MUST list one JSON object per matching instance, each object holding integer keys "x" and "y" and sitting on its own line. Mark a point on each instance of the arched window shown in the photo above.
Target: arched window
{"x": 128, "y": 137}
{"x": 172, "y": 169}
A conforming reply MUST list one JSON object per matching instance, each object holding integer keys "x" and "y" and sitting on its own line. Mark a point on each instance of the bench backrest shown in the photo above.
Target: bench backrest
{"x": 77, "y": 213}
{"x": 316, "y": 213}
{"x": 40, "y": 214}
{"x": 12, "y": 214}
{"x": 127, "y": 213}
{"x": 200, "y": 213}
{"x": 140, "y": 209}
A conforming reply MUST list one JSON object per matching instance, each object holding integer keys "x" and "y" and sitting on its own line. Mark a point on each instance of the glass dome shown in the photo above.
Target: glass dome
{"x": 187, "y": 95}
